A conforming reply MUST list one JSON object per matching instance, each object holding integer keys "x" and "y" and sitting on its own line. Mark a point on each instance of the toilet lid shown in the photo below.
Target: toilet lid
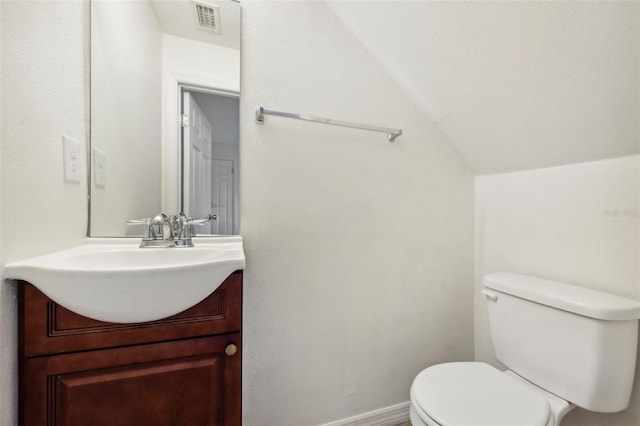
{"x": 474, "y": 393}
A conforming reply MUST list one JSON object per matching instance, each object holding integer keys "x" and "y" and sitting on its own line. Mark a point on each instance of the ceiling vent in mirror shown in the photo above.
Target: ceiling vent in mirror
{"x": 207, "y": 17}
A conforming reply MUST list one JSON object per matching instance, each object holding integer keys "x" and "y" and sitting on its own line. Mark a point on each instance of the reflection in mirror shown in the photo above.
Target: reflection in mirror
{"x": 210, "y": 157}
{"x": 148, "y": 154}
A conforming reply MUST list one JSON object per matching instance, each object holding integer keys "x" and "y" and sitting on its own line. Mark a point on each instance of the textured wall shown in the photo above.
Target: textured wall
{"x": 43, "y": 97}
{"x": 577, "y": 224}
{"x": 359, "y": 251}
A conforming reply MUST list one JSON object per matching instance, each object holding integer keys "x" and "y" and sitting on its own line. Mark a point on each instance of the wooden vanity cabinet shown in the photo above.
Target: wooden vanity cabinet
{"x": 183, "y": 370}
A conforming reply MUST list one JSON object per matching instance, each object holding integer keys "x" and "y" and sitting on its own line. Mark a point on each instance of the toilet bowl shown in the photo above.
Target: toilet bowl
{"x": 563, "y": 346}
{"x": 475, "y": 394}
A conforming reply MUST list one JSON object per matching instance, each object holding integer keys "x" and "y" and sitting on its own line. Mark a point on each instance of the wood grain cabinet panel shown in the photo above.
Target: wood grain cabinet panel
{"x": 184, "y": 370}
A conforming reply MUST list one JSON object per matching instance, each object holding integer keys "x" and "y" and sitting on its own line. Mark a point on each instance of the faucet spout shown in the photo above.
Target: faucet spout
{"x": 161, "y": 227}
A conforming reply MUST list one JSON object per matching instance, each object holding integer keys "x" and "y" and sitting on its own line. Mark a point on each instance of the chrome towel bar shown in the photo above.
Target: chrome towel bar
{"x": 261, "y": 112}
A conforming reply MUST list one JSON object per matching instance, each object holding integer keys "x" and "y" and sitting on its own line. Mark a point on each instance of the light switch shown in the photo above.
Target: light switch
{"x": 99, "y": 168}
{"x": 72, "y": 159}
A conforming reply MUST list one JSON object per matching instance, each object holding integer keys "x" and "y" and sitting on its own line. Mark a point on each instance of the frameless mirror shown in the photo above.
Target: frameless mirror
{"x": 165, "y": 85}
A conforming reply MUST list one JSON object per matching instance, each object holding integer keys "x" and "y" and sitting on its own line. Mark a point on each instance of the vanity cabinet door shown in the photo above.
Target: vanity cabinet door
{"x": 194, "y": 382}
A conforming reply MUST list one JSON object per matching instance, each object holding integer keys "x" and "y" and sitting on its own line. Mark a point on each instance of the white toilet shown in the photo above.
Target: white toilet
{"x": 564, "y": 346}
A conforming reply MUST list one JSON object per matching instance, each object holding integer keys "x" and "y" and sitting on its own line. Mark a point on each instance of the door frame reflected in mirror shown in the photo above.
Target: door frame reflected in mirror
{"x": 222, "y": 222}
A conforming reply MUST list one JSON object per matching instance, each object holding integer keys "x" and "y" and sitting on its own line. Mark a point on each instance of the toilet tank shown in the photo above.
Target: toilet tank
{"x": 576, "y": 343}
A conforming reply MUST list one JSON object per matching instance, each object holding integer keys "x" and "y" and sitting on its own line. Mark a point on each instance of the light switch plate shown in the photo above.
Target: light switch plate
{"x": 99, "y": 168}
{"x": 72, "y": 159}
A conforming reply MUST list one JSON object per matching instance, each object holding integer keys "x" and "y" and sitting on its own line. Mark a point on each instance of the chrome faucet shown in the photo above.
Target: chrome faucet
{"x": 168, "y": 231}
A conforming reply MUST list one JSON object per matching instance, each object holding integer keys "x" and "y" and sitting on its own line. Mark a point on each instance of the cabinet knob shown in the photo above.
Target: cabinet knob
{"x": 231, "y": 349}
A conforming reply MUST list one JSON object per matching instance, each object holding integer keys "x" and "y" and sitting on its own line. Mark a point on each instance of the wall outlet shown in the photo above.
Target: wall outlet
{"x": 72, "y": 159}
{"x": 99, "y": 168}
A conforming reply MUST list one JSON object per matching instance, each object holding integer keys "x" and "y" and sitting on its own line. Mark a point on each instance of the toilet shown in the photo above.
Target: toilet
{"x": 563, "y": 346}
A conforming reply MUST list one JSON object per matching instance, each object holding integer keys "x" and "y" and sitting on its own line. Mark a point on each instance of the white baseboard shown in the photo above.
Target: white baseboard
{"x": 388, "y": 416}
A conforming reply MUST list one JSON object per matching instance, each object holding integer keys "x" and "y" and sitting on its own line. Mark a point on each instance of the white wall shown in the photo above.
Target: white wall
{"x": 576, "y": 224}
{"x": 197, "y": 60}
{"x": 359, "y": 251}
{"x": 126, "y": 120}
{"x": 43, "y": 89}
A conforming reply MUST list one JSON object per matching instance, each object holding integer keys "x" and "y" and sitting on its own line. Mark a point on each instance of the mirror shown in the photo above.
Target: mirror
{"x": 165, "y": 86}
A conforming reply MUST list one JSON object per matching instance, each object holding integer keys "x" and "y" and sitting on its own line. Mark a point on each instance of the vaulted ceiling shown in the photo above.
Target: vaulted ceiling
{"x": 514, "y": 85}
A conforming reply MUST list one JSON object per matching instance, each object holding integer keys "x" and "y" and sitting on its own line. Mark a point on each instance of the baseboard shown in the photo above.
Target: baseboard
{"x": 388, "y": 416}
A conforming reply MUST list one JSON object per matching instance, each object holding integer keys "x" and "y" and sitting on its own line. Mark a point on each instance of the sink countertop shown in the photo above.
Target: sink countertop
{"x": 113, "y": 280}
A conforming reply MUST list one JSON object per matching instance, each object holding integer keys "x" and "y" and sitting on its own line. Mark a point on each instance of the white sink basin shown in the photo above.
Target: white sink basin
{"x": 113, "y": 280}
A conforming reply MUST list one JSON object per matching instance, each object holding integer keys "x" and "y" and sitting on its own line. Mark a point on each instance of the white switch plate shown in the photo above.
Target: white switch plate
{"x": 99, "y": 168}
{"x": 72, "y": 159}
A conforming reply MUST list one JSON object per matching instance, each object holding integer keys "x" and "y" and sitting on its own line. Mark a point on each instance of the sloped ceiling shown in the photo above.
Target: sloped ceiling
{"x": 514, "y": 85}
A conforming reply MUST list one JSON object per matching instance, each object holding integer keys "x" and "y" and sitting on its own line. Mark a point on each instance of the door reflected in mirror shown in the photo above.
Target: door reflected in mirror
{"x": 153, "y": 63}
{"x": 210, "y": 141}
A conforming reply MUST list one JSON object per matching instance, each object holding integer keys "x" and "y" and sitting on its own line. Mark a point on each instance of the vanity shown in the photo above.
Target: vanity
{"x": 149, "y": 341}
{"x": 182, "y": 370}
{"x": 115, "y": 332}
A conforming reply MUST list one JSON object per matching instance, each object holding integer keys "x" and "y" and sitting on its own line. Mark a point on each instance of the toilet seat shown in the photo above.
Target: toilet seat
{"x": 475, "y": 394}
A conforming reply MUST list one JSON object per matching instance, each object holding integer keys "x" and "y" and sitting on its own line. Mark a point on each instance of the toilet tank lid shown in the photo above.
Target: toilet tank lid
{"x": 571, "y": 298}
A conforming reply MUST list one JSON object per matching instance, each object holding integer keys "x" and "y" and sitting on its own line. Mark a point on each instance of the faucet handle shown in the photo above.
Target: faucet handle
{"x": 197, "y": 221}
{"x": 149, "y": 233}
{"x": 146, "y": 221}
